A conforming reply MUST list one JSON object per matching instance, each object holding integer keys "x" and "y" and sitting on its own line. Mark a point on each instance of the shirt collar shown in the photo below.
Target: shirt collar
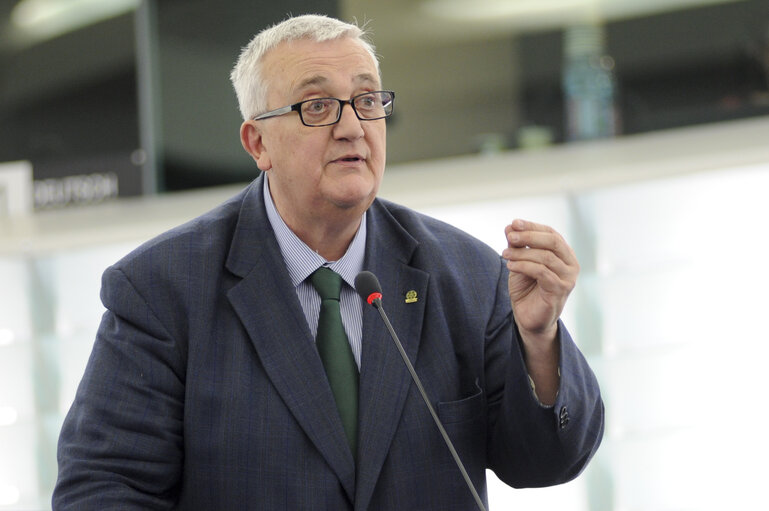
{"x": 301, "y": 260}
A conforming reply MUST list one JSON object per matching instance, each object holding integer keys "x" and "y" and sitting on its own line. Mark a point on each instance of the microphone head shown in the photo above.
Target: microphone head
{"x": 367, "y": 286}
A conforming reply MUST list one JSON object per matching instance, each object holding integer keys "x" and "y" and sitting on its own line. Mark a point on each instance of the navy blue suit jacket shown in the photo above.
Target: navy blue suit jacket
{"x": 205, "y": 391}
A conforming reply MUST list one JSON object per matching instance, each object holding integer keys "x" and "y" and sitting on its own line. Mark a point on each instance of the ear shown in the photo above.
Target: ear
{"x": 253, "y": 142}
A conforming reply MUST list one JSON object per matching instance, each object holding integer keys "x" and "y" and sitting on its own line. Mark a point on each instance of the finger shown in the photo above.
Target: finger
{"x": 548, "y": 280}
{"x": 524, "y": 225}
{"x": 537, "y": 239}
{"x": 546, "y": 258}
{"x": 549, "y": 241}
{"x": 518, "y": 228}
{"x": 535, "y": 255}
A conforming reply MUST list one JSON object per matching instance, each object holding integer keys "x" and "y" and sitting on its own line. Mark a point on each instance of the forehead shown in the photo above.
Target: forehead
{"x": 295, "y": 66}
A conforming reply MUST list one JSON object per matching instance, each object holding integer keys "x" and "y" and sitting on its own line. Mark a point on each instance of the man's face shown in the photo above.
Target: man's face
{"x": 329, "y": 172}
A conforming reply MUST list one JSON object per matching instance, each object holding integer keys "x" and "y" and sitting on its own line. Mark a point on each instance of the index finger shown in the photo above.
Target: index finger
{"x": 522, "y": 233}
{"x": 524, "y": 225}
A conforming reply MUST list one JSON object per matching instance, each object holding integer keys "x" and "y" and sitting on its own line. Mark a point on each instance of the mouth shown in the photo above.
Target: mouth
{"x": 350, "y": 158}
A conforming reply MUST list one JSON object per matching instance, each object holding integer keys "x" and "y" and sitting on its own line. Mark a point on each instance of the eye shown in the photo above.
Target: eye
{"x": 317, "y": 106}
{"x": 367, "y": 102}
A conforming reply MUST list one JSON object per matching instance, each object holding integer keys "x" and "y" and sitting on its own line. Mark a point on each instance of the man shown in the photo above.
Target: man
{"x": 205, "y": 389}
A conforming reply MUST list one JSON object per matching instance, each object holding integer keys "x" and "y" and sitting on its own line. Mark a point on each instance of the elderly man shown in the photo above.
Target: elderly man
{"x": 225, "y": 375}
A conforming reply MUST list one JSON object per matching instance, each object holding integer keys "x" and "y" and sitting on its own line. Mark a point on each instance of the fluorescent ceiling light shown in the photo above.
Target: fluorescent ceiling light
{"x": 550, "y": 12}
{"x": 37, "y": 20}
{"x": 489, "y": 10}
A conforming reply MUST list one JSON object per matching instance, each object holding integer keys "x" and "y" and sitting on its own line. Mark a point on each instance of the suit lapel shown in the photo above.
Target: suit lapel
{"x": 385, "y": 381}
{"x": 270, "y": 311}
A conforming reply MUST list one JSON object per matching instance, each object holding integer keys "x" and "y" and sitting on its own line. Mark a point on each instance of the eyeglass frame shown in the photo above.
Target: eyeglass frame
{"x": 297, "y": 107}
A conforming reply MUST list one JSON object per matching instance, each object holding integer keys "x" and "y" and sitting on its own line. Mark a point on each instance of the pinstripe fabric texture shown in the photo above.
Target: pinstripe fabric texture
{"x": 301, "y": 261}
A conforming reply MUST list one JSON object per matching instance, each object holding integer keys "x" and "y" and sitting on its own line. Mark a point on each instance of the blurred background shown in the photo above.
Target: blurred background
{"x": 637, "y": 128}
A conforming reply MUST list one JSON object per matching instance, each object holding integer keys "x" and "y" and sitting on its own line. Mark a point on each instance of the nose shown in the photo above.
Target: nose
{"x": 349, "y": 126}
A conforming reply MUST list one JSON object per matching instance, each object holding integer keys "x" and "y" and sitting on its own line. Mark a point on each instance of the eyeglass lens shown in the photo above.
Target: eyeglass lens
{"x": 321, "y": 111}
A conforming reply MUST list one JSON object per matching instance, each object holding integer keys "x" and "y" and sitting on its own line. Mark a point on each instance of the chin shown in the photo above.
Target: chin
{"x": 360, "y": 200}
{"x": 354, "y": 192}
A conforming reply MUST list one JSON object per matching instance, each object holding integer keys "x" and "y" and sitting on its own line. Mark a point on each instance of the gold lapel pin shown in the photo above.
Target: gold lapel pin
{"x": 411, "y": 296}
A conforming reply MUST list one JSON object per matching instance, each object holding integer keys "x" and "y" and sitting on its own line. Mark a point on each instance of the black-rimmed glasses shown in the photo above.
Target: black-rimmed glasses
{"x": 315, "y": 112}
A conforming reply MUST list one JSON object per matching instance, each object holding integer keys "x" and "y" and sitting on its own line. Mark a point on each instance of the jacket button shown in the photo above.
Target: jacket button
{"x": 563, "y": 417}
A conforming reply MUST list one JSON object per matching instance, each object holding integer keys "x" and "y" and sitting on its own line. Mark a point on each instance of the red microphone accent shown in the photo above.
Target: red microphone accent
{"x": 372, "y": 297}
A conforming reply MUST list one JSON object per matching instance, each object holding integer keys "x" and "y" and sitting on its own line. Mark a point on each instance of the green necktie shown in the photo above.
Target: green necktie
{"x": 335, "y": 352}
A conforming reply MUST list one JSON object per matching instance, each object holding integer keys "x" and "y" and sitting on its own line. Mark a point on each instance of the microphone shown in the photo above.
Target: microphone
{"x": 367, "y": 286}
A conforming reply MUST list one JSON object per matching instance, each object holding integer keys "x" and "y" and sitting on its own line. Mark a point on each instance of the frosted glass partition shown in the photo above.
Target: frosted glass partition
{"x": 50, "y": 275}
{"x": 670, "y": 233}
{"x": 677, "y": 278}
{"x": 49, "y": 310}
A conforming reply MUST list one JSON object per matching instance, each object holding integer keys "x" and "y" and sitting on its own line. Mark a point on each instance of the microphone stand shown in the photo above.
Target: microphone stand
{"x": 377, "y": 302}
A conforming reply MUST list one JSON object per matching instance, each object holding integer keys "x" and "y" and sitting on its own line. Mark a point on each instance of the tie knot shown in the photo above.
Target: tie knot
{"x": 327, "y": 283}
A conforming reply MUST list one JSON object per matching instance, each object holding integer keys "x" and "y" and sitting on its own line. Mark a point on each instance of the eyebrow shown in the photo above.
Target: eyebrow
{"x": 320, "y": 80}
{"x": 311, "y": 81}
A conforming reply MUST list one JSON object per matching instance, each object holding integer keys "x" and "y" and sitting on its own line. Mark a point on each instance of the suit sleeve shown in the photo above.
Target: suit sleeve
{"x": 121, "y": 444}
{"x": 531, "y": 445}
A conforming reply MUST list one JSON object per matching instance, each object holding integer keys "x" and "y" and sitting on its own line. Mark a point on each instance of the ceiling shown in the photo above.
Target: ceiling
{"x": 409, "y": 22}
{"x": 467, "y": 54}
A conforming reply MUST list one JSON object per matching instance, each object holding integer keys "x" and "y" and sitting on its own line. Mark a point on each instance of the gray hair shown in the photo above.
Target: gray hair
{"x": 251, "y": 87}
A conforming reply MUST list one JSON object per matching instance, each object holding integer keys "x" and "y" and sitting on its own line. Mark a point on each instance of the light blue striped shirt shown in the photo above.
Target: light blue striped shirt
{"x": 301, "y": 261}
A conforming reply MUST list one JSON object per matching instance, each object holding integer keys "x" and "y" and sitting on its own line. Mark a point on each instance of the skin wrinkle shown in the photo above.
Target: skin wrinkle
{"x": 318, "y": 82}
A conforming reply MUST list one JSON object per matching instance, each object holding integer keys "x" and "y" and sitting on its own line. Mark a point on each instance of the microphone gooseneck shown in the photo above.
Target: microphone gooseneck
{"x": 367, "y": 286}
